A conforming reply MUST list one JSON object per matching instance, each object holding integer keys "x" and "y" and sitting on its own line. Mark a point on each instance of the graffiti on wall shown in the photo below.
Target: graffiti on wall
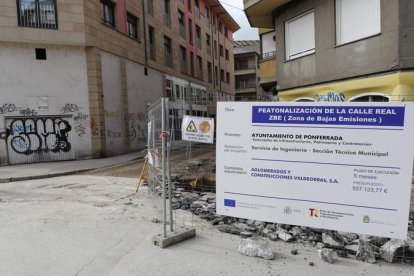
{"x": 2, "y": 134}
{"x": 69, "y": 108}
{"x": 80, "y": 120}
{"x": 10, "y": 108}
{"x": 37, "y": 135}
{"x": 97, "y": 128}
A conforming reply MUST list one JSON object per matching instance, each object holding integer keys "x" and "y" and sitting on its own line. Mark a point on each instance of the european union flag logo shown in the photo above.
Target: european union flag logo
{"x": 229, "y": 202}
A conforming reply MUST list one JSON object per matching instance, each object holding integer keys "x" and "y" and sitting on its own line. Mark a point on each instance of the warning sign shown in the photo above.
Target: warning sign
{"x": 191, "y": 127}
{"x": 198, "y": 129}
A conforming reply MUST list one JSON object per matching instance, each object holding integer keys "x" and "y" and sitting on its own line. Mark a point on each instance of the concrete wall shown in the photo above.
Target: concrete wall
{"x": 331, "y": 62}
{"x": 61, "y": 78}
{"x": 142, "y": 90}
{"x": 268, "y": 44}
{"x": 406, "y": 35}
{"x": 113, "y": 103}
{"x": 127, "y": 92}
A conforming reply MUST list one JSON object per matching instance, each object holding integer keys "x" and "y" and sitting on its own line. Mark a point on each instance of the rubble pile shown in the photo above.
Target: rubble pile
{"x": 364, "y": 248}
{"x": 200, "y": 199}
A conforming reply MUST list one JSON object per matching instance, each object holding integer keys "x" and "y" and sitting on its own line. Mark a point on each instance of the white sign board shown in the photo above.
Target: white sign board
{"x": 198, "y": 129}
{"x": 43, "y": 103}
{"x": 345, "y": 167}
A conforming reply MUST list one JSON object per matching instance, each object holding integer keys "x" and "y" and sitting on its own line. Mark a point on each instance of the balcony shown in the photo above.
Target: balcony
{"x": 266, "y": 56}
{"x": 37, "y": 14}
{"x": 245, "y": 88}
{"x": 244, "y": 70}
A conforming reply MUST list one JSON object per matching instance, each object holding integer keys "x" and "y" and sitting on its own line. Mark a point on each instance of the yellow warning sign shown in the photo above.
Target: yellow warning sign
{"x": 191, "y": 127}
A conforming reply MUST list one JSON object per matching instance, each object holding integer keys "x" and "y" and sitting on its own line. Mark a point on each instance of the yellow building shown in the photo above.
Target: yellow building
{"x": 325, "y": 53}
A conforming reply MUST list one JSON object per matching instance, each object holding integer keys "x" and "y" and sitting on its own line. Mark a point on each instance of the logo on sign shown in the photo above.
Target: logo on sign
{"x": 229, "y": 203}
{"x": 313, "y": 212}
{"x": 204, "y": 127}
{"x": 191, "y": 127}
{"x": 366, "y": 219}
{"x": 287, "y": 210}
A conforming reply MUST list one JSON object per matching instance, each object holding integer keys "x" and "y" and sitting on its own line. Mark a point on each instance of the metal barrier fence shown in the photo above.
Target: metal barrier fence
{"x": 188, "y": 197}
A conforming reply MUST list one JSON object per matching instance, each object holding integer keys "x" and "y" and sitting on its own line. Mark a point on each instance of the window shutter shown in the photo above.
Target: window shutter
{"x": 300, "y": 36}
{"x": 356, "y": 19}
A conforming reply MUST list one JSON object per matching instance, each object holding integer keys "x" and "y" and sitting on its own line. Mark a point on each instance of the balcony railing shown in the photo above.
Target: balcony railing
{"x": 37, "y": 14}
{"x": 244, "y": 67}
{"x": 245, "y": 85}
{"x": 269, "y": 55}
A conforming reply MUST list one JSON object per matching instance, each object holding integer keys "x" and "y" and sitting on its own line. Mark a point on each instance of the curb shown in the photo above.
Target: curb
{"x": 44, "y": 176}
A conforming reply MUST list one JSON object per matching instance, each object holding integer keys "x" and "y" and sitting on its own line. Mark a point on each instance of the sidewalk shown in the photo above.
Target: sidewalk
{"x": 59, "y": 168}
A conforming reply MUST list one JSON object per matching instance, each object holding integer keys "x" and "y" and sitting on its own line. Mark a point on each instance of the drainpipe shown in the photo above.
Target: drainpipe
{"x": 145, "y": 37}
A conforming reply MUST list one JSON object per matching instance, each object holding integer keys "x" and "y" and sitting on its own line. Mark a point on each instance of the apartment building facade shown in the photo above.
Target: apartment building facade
{"x": 267, "y": 61}
{"x": 77, "y": 76}
{"x": 340, "y": 50}
{"x": 246, "y": 71}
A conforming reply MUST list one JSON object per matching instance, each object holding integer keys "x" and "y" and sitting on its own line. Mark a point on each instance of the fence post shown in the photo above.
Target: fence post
{"x": 164, "y": 190}
{"x": 169, "y": 144}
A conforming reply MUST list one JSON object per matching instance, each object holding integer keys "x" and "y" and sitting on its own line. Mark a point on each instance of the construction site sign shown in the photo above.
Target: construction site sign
{"x": 198, "y": 129}
{"x": 345, "y": 167}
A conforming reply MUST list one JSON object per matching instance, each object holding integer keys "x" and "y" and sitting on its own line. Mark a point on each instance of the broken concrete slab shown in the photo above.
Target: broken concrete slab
{"x": 393, "y": 250}
{"x": 179, "y": 235}
{"x": 365, "y": 252}
{"x": 326, "y": 254}
{"x": 333, "y": 240}
{"x": 256, "y": 247}
{"x": 285, "y": 237}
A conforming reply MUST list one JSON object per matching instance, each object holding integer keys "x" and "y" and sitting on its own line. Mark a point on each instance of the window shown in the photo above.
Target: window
{"x": 192, "y": 63}
{"x": 198, "y": 36}
{"x": 190, "y": 31}
{"x": 300, "y": 36}
{"x": 167, "y": 14}
{"x": 108, "y": 12}
{"x": 215, "y": 49}
{"x": 216, "y": 75}
{"x": 226, "y": 32}
{"x": 168, "y": 59}
{"x": 150, "y": 7}
{"x": 197, "y": 8}
{"x": 227, "y": 54}
{"x": 181, "y": 23}
{"x": 37, "y": 14}
{"x": 221, "y": 51}
{"x": 357, "y": 19}
{"x": 242, "y": 64}
{"x": 220, "y": 26}
{"x": 132, "y": 26}
{"x": 200, "y": 67}
{"x": 151, "y": 34}
{"x": 183, "y": 60}
{"x": 208, "y": 44}
{"x": 209, "y": 72}
{"x": 222, "y": 75}
{"x": 228, "y": 77}
{"x": 207, "y": 16}
{"x": 40, "y": 53}
{"x": 189, "y": 5}
{"x": 370, "y": 98}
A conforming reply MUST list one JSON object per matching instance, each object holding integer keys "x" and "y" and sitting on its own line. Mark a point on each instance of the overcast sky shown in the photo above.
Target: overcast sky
{"x": 235, "y": 8}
